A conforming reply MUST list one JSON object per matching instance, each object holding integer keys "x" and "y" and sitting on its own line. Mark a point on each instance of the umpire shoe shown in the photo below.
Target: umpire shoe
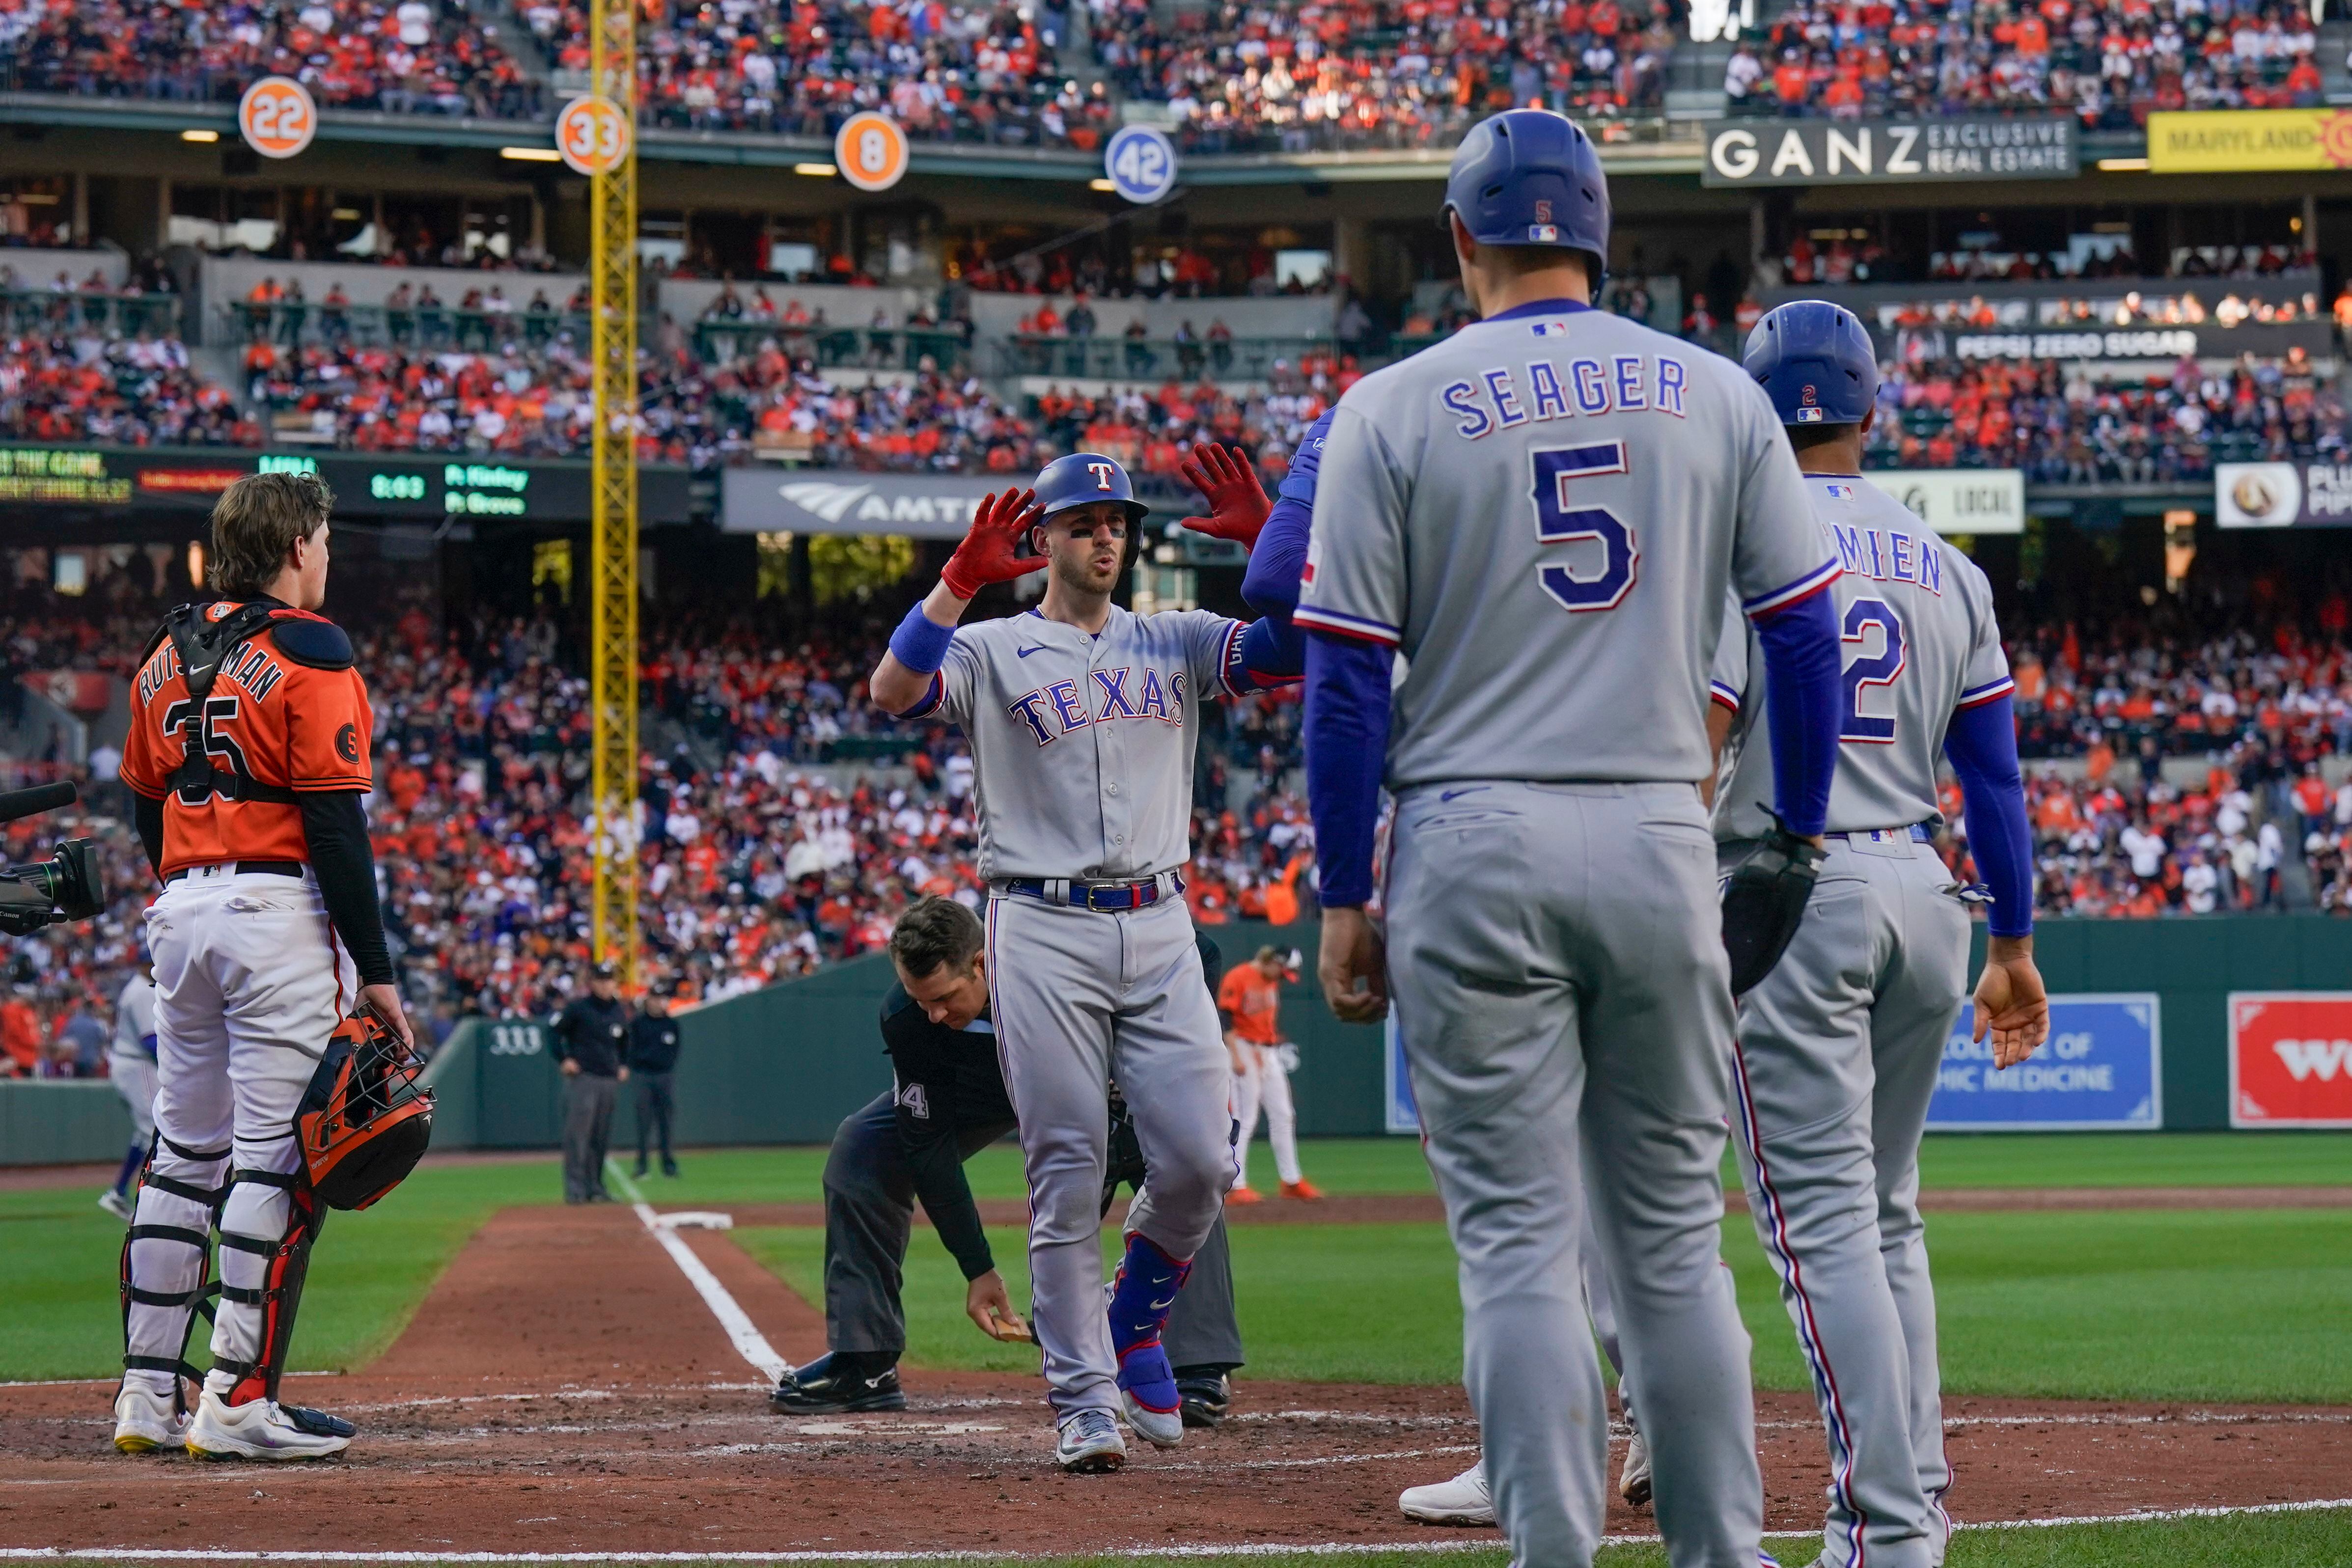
{"x": 1203, "y": 1395}
{"x": 841, "y": 1382}
{"x": 145, "y": 1420}
{"x": 1089, "y": 1444}
{"x": 265, "y": 1429}
{"x": 1464, "y": 1499}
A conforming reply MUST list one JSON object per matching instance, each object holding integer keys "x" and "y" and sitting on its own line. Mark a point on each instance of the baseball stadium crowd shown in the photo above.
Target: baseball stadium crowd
{"x": 2108, "y": 62}
{"x": 416, "y": 56}
{"x": 1337, "y": 74}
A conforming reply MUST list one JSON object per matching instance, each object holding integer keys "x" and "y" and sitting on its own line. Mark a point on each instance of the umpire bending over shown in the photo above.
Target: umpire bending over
{"x": 947, "y": 1103}
{"x": 590, "y": 1035}
{"x": 653, "y": 1057}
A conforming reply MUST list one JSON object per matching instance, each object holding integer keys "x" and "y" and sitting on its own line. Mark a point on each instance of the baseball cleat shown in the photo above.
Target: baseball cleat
{"x": 265, "y": 1429}
{"x": 1205, "y": 1398}
{"x": 1633, "y": 1481}
{"x": 1302, "y": 1189}
{"x": 145, "y": 1420}
{"x": 1089, "y": 1444}
{"x": 1245, "y": 1194}
{"x": 115, "y": 1203}
{"x": 840, "y": 1384}
{"x": 1160, "y": 1429}
{"x": 1464, "y": 1499}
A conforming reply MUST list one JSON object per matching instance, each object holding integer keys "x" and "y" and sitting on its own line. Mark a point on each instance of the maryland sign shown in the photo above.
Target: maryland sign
{"x": 2245, "y": 140}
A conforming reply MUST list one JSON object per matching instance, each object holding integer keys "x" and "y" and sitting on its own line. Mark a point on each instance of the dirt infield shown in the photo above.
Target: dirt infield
{"x": 564, "y": 1388}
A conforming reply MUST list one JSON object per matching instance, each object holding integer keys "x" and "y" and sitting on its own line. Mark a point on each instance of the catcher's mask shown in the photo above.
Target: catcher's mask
{"x": 364, "y": 1121}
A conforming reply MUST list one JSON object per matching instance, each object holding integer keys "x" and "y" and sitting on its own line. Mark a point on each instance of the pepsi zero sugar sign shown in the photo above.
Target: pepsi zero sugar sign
{"x": 1876, "y": 152}
{"x": 2101, "y": 1069}
{"x": 2291, "y": 1059}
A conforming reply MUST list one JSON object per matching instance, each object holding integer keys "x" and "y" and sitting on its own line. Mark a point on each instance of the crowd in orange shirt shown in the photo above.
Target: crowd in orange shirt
{"x": 2108, "y": 62}
{"x": 420, "y": 56}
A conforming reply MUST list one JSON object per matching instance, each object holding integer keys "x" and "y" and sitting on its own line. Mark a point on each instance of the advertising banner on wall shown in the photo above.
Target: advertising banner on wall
{"x": 2102, "y": 1068}
{"x": 2283, "y": 495}
{"x": 2291, "y": 1059}
{"x": 2244, "y": 141}
{"x": 1959, "y": 501}
{"x": 1751, "y": 152}
{"x": 762, "y": 500}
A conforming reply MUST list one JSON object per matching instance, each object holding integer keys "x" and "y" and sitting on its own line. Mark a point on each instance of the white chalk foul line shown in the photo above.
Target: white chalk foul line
{"x": 749, "y": 1343}
{"x": 1141, "y": 1553}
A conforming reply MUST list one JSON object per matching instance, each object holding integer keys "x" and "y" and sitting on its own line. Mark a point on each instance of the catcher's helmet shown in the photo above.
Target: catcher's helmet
{"x": 1083, "y": 477}
{"x": 1816, "y": 362}
{"x": 1529, "y": 176}
{"x": 364, "y": 1121}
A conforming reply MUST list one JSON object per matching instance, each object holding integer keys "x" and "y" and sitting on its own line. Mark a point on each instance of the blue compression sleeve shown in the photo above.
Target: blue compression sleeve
{"x": 1274, "y": 651}
{"x": 1347, "y": 735}
{"x": 1982, "y": 745}
{"x": 1804, "y": 707}
{"x": 1271, "y": 584}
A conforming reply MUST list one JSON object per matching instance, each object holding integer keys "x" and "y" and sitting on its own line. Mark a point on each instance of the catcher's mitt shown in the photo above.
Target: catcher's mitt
{"x": 1763, "y": 899}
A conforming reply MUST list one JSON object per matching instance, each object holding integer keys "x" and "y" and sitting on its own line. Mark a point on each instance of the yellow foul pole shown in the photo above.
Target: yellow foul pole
{"x": 613, "y": 331}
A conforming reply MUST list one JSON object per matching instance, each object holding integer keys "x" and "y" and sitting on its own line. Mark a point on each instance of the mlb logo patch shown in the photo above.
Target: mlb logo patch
{"x": 1551, "y": 328}
{"x": 1841, "y": 492}
{"x": 1809, "y": 416}
{"x": 1543, "y": 233}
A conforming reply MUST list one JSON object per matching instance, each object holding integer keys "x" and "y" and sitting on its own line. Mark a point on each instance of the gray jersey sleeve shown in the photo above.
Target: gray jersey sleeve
{"x": 1354, "y": 580}
{"x": 1778, "y": 555}
{"x": 1986, "y": 675}
{"x": 1211, "y": 644}
{"x": 1727, "y": 681}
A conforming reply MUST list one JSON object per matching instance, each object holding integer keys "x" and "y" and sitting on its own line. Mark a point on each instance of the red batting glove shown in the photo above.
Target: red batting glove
{"x": 986, "y": 554}
{"x": 1237, "y": 503}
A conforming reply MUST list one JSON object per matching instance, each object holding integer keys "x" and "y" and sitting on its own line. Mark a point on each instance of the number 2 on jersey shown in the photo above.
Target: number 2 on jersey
{"x": 1877, "y": 669}
{"x": 1559, "y": 523}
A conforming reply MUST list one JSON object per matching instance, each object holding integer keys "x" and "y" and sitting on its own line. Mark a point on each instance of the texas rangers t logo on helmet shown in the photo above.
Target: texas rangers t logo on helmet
{"x": 1102, "y": 472}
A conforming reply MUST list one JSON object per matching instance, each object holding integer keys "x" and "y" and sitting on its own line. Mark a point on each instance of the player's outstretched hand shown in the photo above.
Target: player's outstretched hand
{"x": 1353, "y": 968}
{"x": 1237, "y": 503}
{"x": 987, "y": 555}
{"x": 2011, "y": 1001}
{"x": 986, "y": 1303}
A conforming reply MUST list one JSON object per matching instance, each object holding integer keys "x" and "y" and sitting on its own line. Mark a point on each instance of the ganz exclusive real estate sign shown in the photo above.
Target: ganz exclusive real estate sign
{"x": 1876, "y": 151}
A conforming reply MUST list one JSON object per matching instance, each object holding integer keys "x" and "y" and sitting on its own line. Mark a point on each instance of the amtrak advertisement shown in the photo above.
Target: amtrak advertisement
{"x": 844, "y": 501}
{"x": 2102, "y": 1068}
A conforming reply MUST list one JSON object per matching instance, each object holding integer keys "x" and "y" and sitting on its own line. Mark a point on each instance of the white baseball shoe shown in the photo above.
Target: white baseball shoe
{"x": 1464, "y": 1499}
{"x": 1089, "y": 1443}
{"x": 265, "y": 1429}
{"x": 145, "y": 1420}
{"x": 115, "y": 1203}
{"x": 1633, "y": 1481}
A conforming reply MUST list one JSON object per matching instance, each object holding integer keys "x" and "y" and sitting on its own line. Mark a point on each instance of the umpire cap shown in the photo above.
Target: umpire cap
{"x": 1530, "y": 177}
{"x": 1084, "y": 477}
{"x": 1816, "y": 362}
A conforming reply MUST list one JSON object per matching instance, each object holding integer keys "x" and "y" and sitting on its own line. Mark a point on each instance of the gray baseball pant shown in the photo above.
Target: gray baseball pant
{"x": 1080, "y": 996}
{"x": 587, "y": 1134}
{"x": 1839, "y": 1049}
{"x": 869, "y": 1216}
{"x": 1570, "y": 1037}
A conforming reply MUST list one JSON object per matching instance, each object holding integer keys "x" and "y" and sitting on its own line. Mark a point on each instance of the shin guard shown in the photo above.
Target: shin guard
{"x": 1146, "y": 1289}
{"x": 266, "y": 1227}
{"x": 165, "y": 1254}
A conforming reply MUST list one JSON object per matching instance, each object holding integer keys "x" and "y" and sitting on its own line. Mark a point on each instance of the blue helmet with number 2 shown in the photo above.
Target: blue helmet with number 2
{"x": 1815, "y": 360}
{"x": 1083, "y": 477}
{"x": 1530, "y": 177}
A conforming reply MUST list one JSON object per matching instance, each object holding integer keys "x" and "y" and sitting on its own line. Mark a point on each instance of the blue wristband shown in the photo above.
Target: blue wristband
{"x": 920, "y": 642}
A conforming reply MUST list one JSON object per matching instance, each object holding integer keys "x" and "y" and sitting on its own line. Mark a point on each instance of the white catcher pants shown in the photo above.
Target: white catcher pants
{"x": 249, "y": 983}
{"x": 1263, "y": 1083}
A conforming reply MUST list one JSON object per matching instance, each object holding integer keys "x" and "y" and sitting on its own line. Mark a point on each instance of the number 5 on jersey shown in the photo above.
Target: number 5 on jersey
{"x": 1559, "y": 521}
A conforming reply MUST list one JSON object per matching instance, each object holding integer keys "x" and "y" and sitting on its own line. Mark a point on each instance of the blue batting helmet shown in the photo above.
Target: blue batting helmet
{"x": 1529, "y": 176}
{"x": 1083, "y": 477}
{"x": 1815, "y": 360}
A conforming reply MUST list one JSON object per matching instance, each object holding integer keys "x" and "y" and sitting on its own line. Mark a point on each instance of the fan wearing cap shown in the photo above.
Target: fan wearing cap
{"x": 591, "y": 1034}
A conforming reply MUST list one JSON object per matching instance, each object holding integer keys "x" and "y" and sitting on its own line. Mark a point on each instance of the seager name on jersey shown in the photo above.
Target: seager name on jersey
{"x": 1054, "y": 710}
{"x": 1543, "y": 389}
{"x": 1887, "y": 554}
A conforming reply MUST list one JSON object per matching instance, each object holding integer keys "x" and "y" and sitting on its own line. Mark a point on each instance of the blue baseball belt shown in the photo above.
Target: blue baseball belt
{"x": 1103, "y": 898}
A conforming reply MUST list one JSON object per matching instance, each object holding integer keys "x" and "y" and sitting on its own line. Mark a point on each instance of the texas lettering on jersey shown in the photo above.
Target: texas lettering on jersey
{"x": 1054, "y": 710}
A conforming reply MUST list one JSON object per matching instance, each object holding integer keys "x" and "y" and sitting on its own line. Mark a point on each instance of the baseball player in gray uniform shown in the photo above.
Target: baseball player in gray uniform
{"x": 1543, "y": 514}
{"x": 1840, "y": 1045}
{"x": 1083, "y": 720}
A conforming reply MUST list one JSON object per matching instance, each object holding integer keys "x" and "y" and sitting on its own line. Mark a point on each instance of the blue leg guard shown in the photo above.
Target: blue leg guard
{"x": 1148, "y": 1281}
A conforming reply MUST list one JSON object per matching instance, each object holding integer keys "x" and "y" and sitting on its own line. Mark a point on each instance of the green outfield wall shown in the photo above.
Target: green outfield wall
{"x": 784, "y": 1065}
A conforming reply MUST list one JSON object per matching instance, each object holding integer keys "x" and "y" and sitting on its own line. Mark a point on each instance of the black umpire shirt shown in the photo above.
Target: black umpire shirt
{"x": 592, "y": 1033}
{"x": 653, "y": 1043}
{"x": 949, "y": 1083}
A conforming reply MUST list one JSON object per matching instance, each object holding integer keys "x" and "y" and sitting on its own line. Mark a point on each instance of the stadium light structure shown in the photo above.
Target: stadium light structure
{"x": 613, "y": 461}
